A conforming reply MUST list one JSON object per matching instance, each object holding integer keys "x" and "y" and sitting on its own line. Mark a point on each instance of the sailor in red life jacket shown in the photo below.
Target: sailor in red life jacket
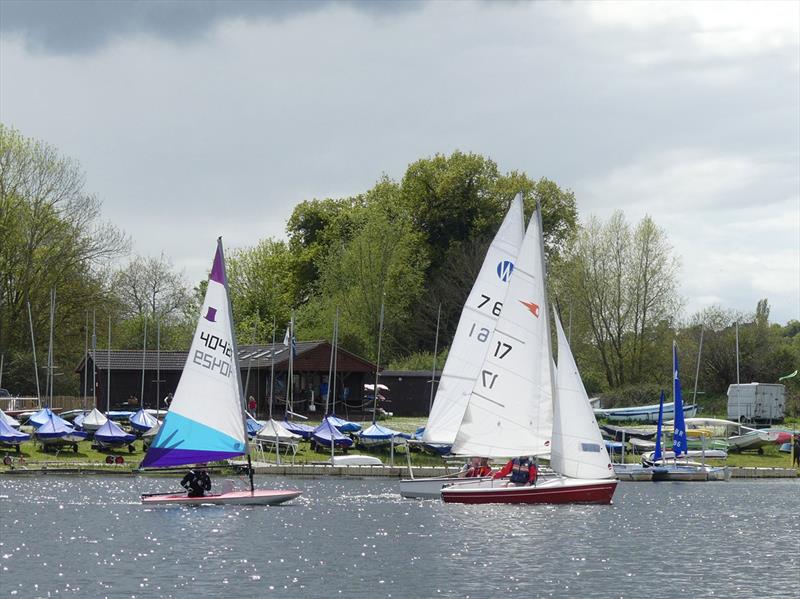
{"x": 479, "y": 468}
{"x": 523, "y": 471}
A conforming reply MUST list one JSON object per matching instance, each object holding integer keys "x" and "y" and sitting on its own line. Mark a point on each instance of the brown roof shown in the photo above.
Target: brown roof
{"x": 255, "y": 356}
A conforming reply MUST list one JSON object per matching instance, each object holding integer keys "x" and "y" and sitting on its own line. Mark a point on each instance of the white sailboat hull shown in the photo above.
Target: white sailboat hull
{"x": 257, "y": 497}
{"x": 430, "y": 488}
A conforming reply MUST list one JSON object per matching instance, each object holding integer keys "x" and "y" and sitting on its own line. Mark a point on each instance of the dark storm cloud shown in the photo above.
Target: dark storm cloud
{"x": 83, "y": 26}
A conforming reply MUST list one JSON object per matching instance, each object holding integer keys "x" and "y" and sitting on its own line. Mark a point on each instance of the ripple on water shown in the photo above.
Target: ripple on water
{"x": 91, "y": 537}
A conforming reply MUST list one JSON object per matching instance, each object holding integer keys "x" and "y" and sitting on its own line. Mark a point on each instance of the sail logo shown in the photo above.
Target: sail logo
{"x": 534, "y": 308}
{"x": 504, "y": 270}
{"x": 212, "y": 315}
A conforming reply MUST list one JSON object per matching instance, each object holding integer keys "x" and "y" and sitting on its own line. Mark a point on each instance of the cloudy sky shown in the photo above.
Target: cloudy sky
{"x": 194, "y": 120}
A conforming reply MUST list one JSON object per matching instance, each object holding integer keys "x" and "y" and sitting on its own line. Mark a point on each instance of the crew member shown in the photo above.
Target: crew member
{"x": 197, "y": 482}
{"x": 523, "y": 470}
{"x": 479, "y": 469}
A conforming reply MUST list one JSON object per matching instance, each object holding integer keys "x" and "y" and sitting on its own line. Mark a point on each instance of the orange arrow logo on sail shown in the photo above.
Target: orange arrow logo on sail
{"x": 534, "y": 308}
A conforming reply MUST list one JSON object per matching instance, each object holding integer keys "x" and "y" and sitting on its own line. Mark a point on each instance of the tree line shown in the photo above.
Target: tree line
{"x": 414, "y": 245}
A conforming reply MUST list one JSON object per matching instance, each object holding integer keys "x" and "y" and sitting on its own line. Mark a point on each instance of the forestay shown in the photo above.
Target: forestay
{"x": 510, "y": 408}
{"x": 205, "y": 421}
{"x": 578, "y": 449}
{"x": 475, "y": 326}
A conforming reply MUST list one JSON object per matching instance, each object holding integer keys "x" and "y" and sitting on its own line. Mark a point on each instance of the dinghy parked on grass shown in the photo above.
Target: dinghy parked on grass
{"x": 111, "y": 436}
{"x": 142, "y": 421}
{"x": 57, "y": 432}
{"x": 10, "y": 436}
{"x": 206, "y": 419}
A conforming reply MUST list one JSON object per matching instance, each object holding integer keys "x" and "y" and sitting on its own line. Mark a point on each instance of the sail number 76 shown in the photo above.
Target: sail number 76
{"x": 496, "y": 308}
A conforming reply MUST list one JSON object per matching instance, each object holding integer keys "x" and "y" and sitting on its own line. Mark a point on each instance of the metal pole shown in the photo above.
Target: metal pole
{"x": 52, "y": 349}
{"x": 335, "y": 360}
{"x": 738, "y": 391}
{"x": 86, "y": 361}
{"x": 144, "y": 356}
{"x": 697, "y": 370}
{"x": 108, "y": 371}
{"x": 235, "y": 359}
{"x": 272, "y": 367}
{"x": 435, "y": 351}
{"x": 94, "y": 357}
{"x": 290, "y": 377}
{"x": 35, "y": 365}
{"x": 330, "y": 368}
{"x": 377, "y": 369}
{"x": 158, "y": 366}
{"x": 2, "y": 357}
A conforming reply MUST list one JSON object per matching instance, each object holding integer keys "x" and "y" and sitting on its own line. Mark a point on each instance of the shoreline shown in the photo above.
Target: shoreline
{"x": 319, "y": 469}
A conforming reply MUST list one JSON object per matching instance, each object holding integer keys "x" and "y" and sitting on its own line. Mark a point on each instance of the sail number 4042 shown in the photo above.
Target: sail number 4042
{"x": 213, "y": 342}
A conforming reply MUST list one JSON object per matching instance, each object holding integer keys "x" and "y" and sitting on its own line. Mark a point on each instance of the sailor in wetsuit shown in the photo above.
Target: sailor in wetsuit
{"x": 197, "y": 482}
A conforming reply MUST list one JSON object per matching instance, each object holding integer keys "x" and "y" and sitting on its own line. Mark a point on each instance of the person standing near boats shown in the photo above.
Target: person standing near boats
{"x": 197, "y": 482}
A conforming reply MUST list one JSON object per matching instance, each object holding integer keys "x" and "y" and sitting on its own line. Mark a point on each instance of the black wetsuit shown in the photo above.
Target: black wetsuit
{"x": 197, "y": 483}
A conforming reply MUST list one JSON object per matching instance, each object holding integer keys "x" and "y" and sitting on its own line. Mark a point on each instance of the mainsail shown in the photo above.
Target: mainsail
{"x": 578, "y": 449}
{"x": 679, "y": 443}
{"x": 475, "y": 326}
{"x": 205, "y": 421}
{"x": 510, "y": 408}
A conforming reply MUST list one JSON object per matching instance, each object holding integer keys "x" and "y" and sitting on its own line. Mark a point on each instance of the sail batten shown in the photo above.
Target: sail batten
{"x": 205, "y": 421}
{"x": 475, "y": 326}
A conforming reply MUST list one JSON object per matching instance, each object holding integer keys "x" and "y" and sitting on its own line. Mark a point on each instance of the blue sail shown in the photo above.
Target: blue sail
{"x": 657, "y": 452}
{"x": 679, "y": 444}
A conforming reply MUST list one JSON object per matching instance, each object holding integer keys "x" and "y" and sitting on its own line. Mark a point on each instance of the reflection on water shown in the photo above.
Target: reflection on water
{"x": 90, "y": 537}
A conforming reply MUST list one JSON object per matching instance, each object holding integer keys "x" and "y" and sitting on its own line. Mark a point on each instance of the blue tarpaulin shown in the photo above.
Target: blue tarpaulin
{"x": 327, "y": 433}
{"x": 111, "y": 434}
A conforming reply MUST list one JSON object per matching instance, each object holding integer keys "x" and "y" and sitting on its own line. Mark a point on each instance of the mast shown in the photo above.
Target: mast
{"x": 144, "y": 356}
{"x": 235, "y": 357}
{"x": 158, "y": 366}
{"x": 377, "y": 369}
{"x": 738, "y": 393}
{"x": 52, "y": 356}
{"x": 2, "y": 357}
{"x": 35, "y": 365}
{"x": 697, "y": 370}
{"x": 108, "y": 371}
{"x": 94, "y": 357}
{"x": 86, "y": 361}
{"x": 272, "y": 367}
{"x": 435, "y": 351}
{"x": 547, "y": 335}
{"x": 330, "y": 367}
{"x": 290, "y": 380}
{"x": 335, "y": 359}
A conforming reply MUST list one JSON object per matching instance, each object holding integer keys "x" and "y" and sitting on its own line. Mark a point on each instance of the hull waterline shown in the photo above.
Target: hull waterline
{"x": 257, "y": 497}
{"x": 557, "y": 491}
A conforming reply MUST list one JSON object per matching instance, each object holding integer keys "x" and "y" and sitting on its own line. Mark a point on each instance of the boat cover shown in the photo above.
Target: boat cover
{"x": 93, "y": 420}
{"x": 376, "y": 432}
{"x": 298, "y": 428}
{"x": 111, "y": 434}
{"x": 327, "y": 432}
{"x": 56, "y": 428}
{"x": 273, "y": 429}
{"x": 10, "y": 421}
{"x": 8, "y": 434}
{"x": 44, "y": 416}
{"x": 119, "y": 415}
{"x": 142, "y": 421}
{"x": 344, "y": 426}
{"x": 253, "y": 426}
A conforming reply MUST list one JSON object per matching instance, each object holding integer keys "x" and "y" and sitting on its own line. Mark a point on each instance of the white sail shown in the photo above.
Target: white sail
{"x": 510, "y": 408}
{"x": 578, "y": 450}
{"x": 477, "y": 322}
{"x": 205, "y": 421}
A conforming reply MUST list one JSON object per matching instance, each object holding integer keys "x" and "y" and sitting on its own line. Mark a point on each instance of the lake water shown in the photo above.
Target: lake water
{"x": 89, "y": 537}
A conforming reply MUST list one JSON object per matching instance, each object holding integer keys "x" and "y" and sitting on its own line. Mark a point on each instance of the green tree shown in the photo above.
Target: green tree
{"x": 623, "y": 283}
{"x": 52, "y": 237}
